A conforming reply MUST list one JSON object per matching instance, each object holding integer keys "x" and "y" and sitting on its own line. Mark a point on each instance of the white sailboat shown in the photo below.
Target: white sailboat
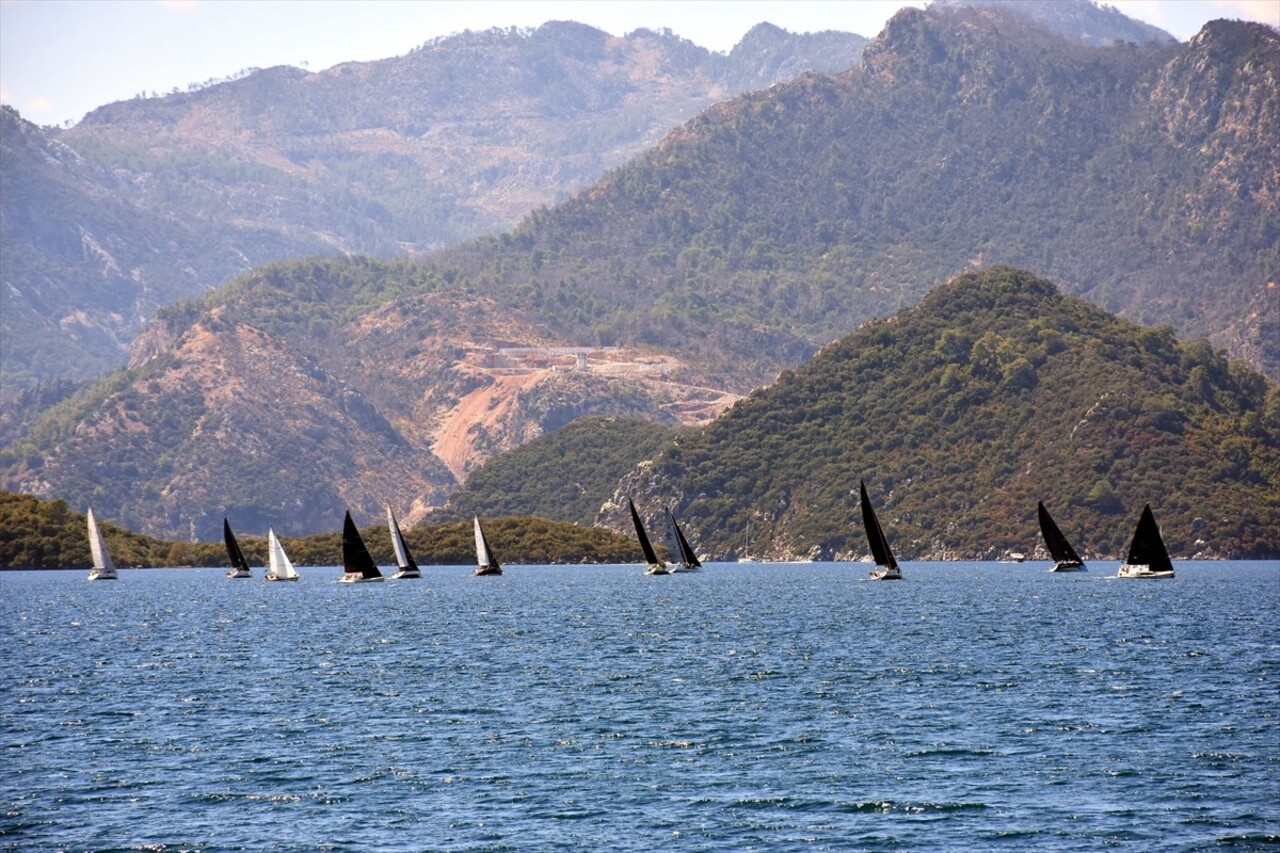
{"x": 407, "y": 568}
{"x": 278, "y": 566}
{"x": 486, "y": 563}
{"x": 103, "y": 569}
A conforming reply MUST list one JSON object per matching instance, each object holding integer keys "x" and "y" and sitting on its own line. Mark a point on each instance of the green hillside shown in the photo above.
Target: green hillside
{"x": 567, "y": 474}
{"x": 993, "y": 393}
{"x": 36, "y": 534}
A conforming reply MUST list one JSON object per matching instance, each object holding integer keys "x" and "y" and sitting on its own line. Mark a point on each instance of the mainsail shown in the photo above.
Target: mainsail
{"x": 1059, "y": 548}
{"x": 875, "y": 535}
{"x": 684, "y": 548}
{"x": 279, "y": 568}
{"x": 404, "y": 560}
{"x": 1147, "y": 548}
{"x": 355, "y": 556}
{"x": 485, "y": 561}
{"x": 103, "y": 567}
{"x": 650, "y": 556}
{"x": 234, "y": 554}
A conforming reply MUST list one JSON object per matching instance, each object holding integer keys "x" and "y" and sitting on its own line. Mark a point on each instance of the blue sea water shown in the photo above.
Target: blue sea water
{"x": 770, "y": 707}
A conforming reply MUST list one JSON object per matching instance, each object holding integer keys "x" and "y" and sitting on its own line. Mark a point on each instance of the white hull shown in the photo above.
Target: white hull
{"x": 683, "y": 569}
{"x": 1068, "y": 567}
{"x": 103, "y": 575}
{"x": 655, "y": 569}
{"x": 1143, "y": 572}
{"x": 358, "y": 579}
{"x": 886, "y": 575}
{"x": 486, "y": 570}
{"x": 407, "y": 575}
{"x": 280, "y": 578}
{"x": 239, "y": 573}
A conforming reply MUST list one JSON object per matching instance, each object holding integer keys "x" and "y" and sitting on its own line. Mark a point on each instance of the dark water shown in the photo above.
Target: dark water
{"x": 972, "y": 706}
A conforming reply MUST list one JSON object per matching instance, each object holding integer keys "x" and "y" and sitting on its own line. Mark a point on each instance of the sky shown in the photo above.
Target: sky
{"x": 60, "y": 59}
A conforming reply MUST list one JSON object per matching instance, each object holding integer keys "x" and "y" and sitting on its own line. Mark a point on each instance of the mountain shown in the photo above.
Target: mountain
{"x": 149, "y": 200}
{"x": 960, "y": 413}
{"x": 566, "y": 474}
{"x": 760, "y": 231}
{"x": 1088, "y": 22}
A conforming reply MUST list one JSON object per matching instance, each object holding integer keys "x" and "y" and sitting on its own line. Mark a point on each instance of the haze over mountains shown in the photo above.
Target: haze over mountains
{"x": 1141, "y": 176}
{"x": 150, "y": 200}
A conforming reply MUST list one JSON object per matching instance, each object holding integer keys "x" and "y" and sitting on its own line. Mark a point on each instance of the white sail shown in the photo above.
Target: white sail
{"x": 402, "y": 558}
{"x": 103, "y": 567}
{"x": 279, "y": 567}
{"x": 482, "y": 548}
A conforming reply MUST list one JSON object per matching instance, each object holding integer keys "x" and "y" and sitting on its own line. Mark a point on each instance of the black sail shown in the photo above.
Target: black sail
{"x": 875, "y": 535}
{"x": 355, "y": 556}
{"x": 234, "y": 554}
{"x": 404, "y": 559}
{"x": 686, "y": 550}
{"x": 1147, "y": 547}
{"x": 1059, "y": 548}
{"x": 650, "y": 556}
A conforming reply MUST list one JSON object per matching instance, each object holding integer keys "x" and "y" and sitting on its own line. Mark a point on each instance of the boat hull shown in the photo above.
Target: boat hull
{"x": 358, "y": 579}
{"x": 278, "y": 578}
{"x": 239, "y": 573}
{"x": 894, "y": 574}
{"x": 103, "y": 575}
{"x": 486, "y": 570}
{"x": 656, "y": 569}
{"x": 1141, "y": 572}
{"x": 407, "y": 575}
{"x": 1068, "y": 566}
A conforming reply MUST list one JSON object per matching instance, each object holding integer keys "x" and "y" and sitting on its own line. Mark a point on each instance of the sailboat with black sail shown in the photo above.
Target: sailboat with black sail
{"x": 1065, "y": 558}
{"x": 486, "y": 563}
{"x": 357, "y": 564}
{"x": 239, "y": 565}
{"x": 886, "y": 566}
{"x": 683, "y": 558}
{"x": 406, "y": 567}
{"x": 279, "y": 566}
{"x": 655, "y": 566}
{"x": 1148, "y": 558}
{"x": 103, "y": 567}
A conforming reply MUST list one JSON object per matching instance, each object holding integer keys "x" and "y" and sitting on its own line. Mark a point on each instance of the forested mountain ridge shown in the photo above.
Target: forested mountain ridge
{"x": 1146, "y": 178}
{"x": 149, "y": 200}
{"x": 758, "y": 232}
{"x": 960, "y": 414}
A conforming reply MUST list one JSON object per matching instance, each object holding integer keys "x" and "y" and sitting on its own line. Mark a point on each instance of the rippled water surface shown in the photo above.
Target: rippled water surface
{"x": 972, "y": 706}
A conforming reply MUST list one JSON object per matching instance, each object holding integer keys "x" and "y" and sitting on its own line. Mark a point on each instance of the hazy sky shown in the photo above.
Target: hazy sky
{"x": 59, "y": 59}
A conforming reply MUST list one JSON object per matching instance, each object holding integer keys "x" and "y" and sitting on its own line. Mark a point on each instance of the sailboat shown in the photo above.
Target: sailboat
{"x": 683, "y": 558}
{"x": 357, "y": 565}
{"x": 1148, "y": 557}
{"x": 886, "y": 566}
{"x": 278, "y": 566}
{"x": 486, "y": 563}
{"x": 239, "y": 566}
{"x": 746, "y": 552}
{"x": 655, "y": 566}
{"x": 404, "y": 560}
{"x": 103, "y": 569}
{"x": 1064, "y": 556}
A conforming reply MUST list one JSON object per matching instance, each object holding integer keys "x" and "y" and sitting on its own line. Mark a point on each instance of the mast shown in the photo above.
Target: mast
{"x": 234, "y": 554}
{"x": 404, "y": 560}
{"x": 649, "y": 555}
{"x": 355, "y": 556}
{"x": 1147, "y": 548}
{"x": 875, "y": 535}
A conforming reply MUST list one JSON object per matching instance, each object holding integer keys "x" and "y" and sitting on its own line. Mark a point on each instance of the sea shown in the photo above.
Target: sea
{"x": 749, "y": 707}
